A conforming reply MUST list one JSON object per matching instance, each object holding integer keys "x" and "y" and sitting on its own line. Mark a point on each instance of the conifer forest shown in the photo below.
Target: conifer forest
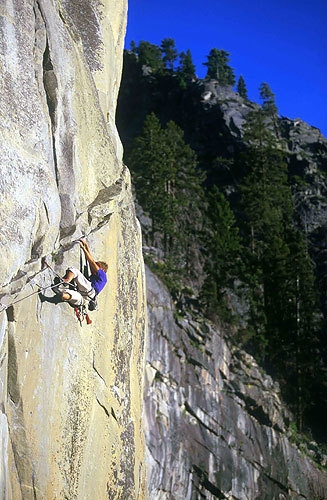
{"x": 223, "y": 209}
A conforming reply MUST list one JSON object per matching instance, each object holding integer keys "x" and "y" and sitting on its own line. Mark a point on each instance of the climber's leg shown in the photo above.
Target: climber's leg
{"x": 73, "y": 297}
{"x": 75, "y": 276}
{"x": 68, "y": 276}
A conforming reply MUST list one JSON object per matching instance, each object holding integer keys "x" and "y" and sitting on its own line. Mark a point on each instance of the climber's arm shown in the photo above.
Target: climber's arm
{"x": 94, "y": 268}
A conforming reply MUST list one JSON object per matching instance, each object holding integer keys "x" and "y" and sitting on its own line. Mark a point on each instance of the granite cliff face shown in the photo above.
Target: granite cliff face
{"x": 71, "y": 396}
{"x": 71, "y": 421}
{"x": 216, "y": 425}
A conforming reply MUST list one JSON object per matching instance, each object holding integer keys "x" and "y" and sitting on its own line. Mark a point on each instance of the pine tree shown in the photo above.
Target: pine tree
{"x": 224, "y": 241}
{"x": 168, "y": 187}
{"x": 133, "y": 47}
{"x": 282, "y": 292}
{"x": 223, "y": 249}
{"x": 150, "y": 55}
{"x": 268, "y": 98}
{"x": 266, "y": 194}
{"x": 210, "y": 298}
{"x": 186, "y": 194}
{"x": 269, "y": 107}
{"x": 186, "y": 67}
{"x": 149, "y": 161}
{"x": 298, "y": 325}
{"x": 266, "y": 200}
{"x": 169, "y": 52}
{"x": 241, "y": 88}
{"x": 218, "y": 67}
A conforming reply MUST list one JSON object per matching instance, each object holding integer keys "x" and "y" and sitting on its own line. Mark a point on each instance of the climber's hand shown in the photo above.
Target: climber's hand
{"x": 84, "y": 245}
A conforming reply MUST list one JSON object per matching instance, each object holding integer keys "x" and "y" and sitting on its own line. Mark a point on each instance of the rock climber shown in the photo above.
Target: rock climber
{"x": 85, "y": 287}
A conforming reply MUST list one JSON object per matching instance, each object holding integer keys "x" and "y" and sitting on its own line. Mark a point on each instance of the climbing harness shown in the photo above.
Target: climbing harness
{"x": 81, "y": 314}
{"x": 81, "y": 310}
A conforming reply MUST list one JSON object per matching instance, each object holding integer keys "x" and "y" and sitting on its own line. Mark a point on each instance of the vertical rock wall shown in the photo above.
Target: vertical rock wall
{"x": 71, "y": 395}
{"x": 216, "y": 427}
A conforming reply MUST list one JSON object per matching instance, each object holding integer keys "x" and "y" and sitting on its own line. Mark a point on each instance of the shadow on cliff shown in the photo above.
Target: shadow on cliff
{"x": 55, "y": 299}
{"x": 52, "y": 300}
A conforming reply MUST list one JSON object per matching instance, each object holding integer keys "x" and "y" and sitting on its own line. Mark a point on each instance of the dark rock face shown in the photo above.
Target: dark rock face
{"x": 216, "y": 427}
{"x": 202, "y": 120}
{"x": 305, "y": 149}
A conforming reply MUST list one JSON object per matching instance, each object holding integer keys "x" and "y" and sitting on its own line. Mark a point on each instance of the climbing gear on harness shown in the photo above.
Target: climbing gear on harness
{"x": 81, "y": 314}
{"x": 62, "y": 286}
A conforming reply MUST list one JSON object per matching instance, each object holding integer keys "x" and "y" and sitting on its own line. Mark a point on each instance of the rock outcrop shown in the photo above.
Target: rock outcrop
{"x": 216, "y": 426}
{"x": 71, "y": 396}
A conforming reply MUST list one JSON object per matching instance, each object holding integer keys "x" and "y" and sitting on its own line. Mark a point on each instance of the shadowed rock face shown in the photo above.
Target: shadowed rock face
{"x": 71, "y": 396}
{"x": 216, "y": 427}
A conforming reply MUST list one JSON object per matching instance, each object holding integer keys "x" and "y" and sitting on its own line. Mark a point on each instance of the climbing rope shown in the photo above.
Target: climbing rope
{"x": 6, "y": 306}
{"x": 31, "y": 281}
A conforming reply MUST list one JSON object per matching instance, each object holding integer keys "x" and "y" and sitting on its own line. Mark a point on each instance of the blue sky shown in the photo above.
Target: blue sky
{"x": 283, "y": 43}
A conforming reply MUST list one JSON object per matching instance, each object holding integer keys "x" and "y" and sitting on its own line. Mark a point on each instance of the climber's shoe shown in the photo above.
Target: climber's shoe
{"x": 52, "y": 300}
{"x": 42, "y": 297}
